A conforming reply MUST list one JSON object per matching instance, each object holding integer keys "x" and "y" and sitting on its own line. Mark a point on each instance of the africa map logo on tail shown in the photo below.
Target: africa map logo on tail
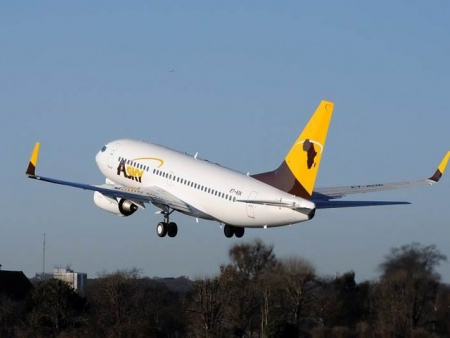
{"x": 311, "y": 153}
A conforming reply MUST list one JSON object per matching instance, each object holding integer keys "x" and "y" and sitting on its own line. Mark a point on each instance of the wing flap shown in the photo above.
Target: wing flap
{"x": 283, "y": 203}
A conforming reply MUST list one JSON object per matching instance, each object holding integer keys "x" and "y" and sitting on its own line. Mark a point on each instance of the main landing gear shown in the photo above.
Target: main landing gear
{"x": 167, "y": 228}
{"x": 230, "y": 230}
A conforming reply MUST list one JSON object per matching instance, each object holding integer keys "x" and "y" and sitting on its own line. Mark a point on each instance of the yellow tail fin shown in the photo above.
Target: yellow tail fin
{"x": 297, "y": 174}
{"x": 304, "y": 157}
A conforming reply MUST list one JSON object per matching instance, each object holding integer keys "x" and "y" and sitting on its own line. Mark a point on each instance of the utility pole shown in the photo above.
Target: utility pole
{"x": 43, "y": 261}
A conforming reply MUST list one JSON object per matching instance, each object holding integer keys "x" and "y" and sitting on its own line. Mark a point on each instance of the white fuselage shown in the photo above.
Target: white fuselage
{"x": 212, "y": 191}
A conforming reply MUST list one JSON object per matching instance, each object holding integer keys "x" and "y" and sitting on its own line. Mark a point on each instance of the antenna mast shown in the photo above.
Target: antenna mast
{"x": 43, "y": 260}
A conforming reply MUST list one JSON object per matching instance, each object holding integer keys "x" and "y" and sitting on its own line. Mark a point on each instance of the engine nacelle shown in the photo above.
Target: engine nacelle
{"x": 122, "y": 207}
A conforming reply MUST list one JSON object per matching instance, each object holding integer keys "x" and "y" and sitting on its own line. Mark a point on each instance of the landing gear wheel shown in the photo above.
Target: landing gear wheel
{"x": 172, "y": 229}
{"x": 228, "y": 230}
{"x": 239, "y": 232}
{"x": 161, "y": 229}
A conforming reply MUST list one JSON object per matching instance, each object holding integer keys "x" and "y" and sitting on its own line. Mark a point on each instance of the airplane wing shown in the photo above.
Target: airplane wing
{"x": 139, "y": 196}
{"x": 323, "y": 197}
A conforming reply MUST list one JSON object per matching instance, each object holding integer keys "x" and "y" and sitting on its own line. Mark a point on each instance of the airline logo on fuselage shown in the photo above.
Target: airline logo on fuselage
{"x": 130, "y": 172}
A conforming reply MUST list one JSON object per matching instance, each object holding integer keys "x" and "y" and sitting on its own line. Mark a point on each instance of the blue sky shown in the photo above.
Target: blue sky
{"x": 235, "y": 81}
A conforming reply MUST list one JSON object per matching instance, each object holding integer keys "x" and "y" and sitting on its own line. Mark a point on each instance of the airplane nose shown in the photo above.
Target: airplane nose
{"x": 97, "y": 157}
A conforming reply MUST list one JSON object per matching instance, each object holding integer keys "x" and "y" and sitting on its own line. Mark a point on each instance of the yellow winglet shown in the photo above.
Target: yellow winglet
{"x": 441, "y": 168}
{"x": 31, "y": 170}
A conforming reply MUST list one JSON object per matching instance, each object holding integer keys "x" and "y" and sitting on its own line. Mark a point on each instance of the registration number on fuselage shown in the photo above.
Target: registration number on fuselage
{"x": 235, "y": 192}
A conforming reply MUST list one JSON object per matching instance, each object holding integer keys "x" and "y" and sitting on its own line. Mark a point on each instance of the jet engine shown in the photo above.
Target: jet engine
{"x": 122, "y": 207}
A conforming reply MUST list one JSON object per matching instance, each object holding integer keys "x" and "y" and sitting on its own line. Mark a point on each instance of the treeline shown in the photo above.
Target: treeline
{"x": 255, "y": 295}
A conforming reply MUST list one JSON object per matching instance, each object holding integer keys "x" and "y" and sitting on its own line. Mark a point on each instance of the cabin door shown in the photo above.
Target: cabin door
{"x": 251, "y": 206}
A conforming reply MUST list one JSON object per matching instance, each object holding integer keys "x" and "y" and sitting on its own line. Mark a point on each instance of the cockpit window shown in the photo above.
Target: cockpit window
{"x": 103, "y": 149}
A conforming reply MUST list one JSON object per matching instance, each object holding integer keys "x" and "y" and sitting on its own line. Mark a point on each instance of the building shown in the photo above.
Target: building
{"x": 77, "y": 280}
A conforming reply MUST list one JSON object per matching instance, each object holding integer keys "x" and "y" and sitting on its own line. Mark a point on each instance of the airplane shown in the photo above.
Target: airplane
{"x": 138, "y": 173}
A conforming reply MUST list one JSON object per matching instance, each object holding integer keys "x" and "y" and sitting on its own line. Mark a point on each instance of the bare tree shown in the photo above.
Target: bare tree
{"x": 245, "y": 281}
{"x": 252, "y": 259}
{"x": 297, "y": 279}
{"x": 206, "y": 303}
{"x": 55, "y": 307}
{"x": 112, "y": 299}
{"x": 412, "y": 258}
{"x": 405, "y": 296}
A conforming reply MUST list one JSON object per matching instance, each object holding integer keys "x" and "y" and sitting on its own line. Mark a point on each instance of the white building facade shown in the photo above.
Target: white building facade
{"x": 76, "y": 280}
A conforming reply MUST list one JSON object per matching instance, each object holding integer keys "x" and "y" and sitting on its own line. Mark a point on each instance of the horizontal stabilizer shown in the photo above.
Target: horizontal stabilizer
{"x": 351, "y": 204}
